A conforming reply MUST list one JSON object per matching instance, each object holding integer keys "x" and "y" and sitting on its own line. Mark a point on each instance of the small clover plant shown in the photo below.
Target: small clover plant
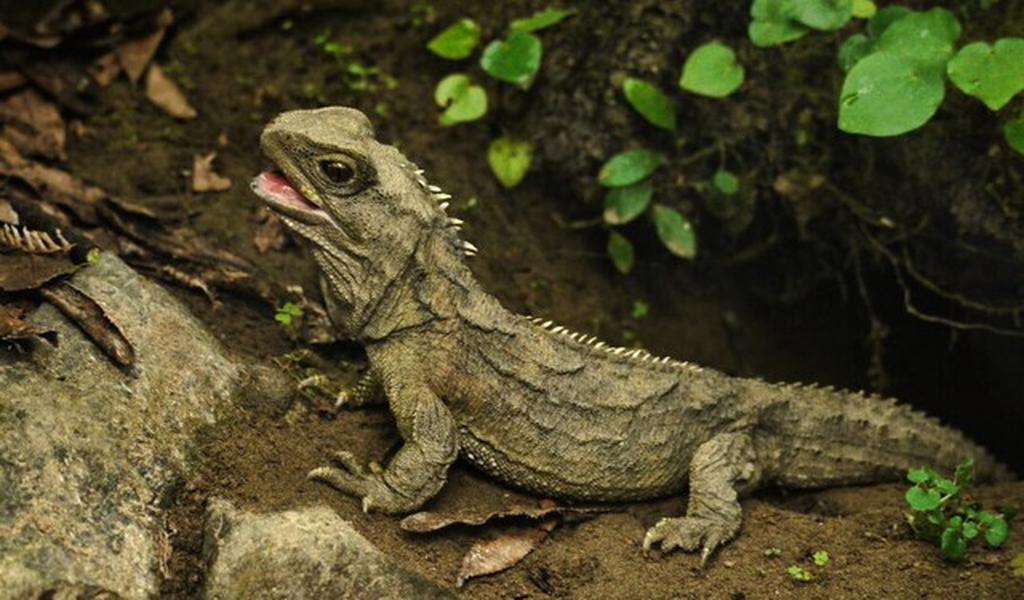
{"x": 943, "y": 513}
{"x": 287, "y": 313}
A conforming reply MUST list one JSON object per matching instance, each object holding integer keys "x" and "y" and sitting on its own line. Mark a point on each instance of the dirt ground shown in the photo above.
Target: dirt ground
{"x": 795, "y": 314}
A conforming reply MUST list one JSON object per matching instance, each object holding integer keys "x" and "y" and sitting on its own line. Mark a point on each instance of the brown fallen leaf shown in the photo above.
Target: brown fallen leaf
{"x": 10, "y": 80}
{"x": 105, "y": 69}
{"x": 33, "y": 124}
{"x": 13, "y": 328}
{"x": 496, "y": 555}
{"x": 425, "y": 521}
{"x": 136, "y": 54}
{"x": 204, "y": 178}
{"x": 163, "y": 92}
{"x": 270, "y": 233}
{"x": 91, "y": 319}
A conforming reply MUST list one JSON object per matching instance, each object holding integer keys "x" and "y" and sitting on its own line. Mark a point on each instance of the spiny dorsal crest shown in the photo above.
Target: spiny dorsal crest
{"x": 591, "y": 341}
{"x": 443, "y": 201}
{"x": 32, "y": 241}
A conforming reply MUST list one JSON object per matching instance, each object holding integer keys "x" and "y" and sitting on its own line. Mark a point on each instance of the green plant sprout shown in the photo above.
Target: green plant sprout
{"x": 897, "y": 70}
{"x": 456, "y": 41}
{"x": 461, "y": 99}
{"x": 514, "y": 59}
{"x": 287, "y": 312}
{"x": 509, "y": 159}
{"x": 943, "y": 513}
{"x": 1017, "y": 565}
{"x": 798, "y": 573}
{"x": 650, "y": 102}
{"x": 711, "y": 70}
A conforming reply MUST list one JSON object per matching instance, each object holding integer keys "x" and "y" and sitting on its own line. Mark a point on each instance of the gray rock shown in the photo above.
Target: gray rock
{"x": 89, "y": 454}
{"x": 307, "y": 553}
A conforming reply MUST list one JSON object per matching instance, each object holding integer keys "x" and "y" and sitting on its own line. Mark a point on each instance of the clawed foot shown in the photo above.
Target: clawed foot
{"x": 350, "y": 477}
{"x": 689, "y": 534}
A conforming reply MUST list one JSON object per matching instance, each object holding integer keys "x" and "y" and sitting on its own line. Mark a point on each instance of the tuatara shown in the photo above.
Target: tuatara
{"x": 531, "y": 403}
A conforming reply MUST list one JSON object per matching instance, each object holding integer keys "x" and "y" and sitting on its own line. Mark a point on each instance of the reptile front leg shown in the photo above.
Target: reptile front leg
{"x": 418, "y": 470}
{"x": 720, "y": 469}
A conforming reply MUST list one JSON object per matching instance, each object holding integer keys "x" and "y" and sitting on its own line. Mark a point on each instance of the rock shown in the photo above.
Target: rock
{"x": 89, "y": 453}
{"x": 307, "y": 553}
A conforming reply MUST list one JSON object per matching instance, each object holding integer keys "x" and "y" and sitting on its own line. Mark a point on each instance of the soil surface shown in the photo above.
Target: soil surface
{"x": 798, "y": 299}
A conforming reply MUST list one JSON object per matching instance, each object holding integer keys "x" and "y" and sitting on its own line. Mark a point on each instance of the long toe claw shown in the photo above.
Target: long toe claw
{"x": 340, "y": 479}
{"x": 688, "y": 534}
{"x": 348, "y": 461}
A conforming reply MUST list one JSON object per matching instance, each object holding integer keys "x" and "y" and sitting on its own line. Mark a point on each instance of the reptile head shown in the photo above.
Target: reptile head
{"x": 363, "y": 207}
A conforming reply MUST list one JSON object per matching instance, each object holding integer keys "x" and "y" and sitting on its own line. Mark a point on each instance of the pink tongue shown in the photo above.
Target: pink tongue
{"x": 280, "y": 188}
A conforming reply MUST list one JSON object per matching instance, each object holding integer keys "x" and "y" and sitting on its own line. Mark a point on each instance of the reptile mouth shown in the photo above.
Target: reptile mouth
{"x": 279, "y": 193}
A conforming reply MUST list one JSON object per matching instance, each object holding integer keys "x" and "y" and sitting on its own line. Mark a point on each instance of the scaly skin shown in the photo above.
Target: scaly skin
{"x": 532, "y": 404}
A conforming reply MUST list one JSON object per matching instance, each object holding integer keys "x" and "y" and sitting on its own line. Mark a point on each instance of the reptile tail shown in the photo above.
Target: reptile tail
{"x": 829, "y": 437}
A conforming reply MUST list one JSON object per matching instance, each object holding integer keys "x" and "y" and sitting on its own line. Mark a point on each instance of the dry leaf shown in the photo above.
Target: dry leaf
{"x": 204, "y": 178}
{"x": 10, "y": 80}
{"x": 163, "y": 92}
{"x": 270, "y": 233}
{"x": 104, "y": 69}
{"x": 91, "y": 319}
{"x": 13, "y": 328}
{"x": 136, "y": 54}
{"x": 37, "y": 128}
{"x": 493, "y": 556}
{"x": 20, "y": 271}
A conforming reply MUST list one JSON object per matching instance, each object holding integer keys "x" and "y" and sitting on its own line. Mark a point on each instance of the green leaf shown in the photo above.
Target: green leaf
{"x": 1017, "y": 564}
{"x": 920, "y": 475}
{"x": 924, "y": 38}
{"x": 885, "y": 94}
{"x": 923, "y": 500}
{"x": 970, "y": 530}
{"x": 461, "y": 100}
{"x": 823, "y": 15}
{"x": 287, "y": 312}
{"x": 1013, "y": 132}
{"x": 726, "y": 182}
{"x": 798, "y": 573}
{"x": 856, "y": 47}
{"x": 675, "y": 231}
{"x": 650, "y": 102}
{"x": 514, "y": 59}
{"x": 964, "y": 474}
{"x": 457, "y": 40}
{"x": 992, "y": 73}
{"x": 946, "y": 486}
{"x": 540, "y": 20}
{"x": 711, "y": 70}
{"x": 820, "y": 558}
{"x": 864, "y": 9}
{"x": 954, "y": 546}
{"x": 509, "y": 159}
{"x": 884, "y": 18}
{"x": 621, "y": 252}
{"x": 625, "y": 203}
{"x": 628, "y": 167}
{"x": 771, "y": 24}
{"x": 639, "y": 309}
{"x": 997, "y": 532}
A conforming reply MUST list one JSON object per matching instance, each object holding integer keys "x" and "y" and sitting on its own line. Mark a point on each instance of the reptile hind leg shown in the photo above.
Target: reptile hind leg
{"x": 720, "y": 469}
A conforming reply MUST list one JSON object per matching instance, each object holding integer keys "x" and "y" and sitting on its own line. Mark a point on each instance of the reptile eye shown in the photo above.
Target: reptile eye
{"x": 337, "y": 171}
